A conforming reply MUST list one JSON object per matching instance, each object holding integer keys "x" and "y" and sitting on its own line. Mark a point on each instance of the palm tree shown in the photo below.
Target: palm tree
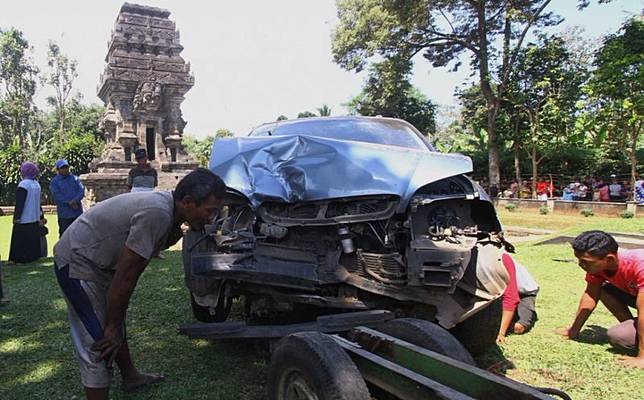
{"x": 324, "y": 111}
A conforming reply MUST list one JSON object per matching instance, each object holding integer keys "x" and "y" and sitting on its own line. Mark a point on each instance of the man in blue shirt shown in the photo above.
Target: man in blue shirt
{"x": 68, "y": 192}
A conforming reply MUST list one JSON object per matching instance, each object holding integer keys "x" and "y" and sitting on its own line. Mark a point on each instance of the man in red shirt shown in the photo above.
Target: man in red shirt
{"x": 616, "y": 277}
{"x": 542, "y": 189}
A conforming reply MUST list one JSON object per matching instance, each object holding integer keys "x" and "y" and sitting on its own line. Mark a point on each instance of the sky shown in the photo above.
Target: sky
{"x": 252, "y": 60}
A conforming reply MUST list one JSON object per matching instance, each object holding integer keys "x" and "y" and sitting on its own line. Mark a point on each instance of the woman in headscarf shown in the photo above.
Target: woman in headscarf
{"x": 25, "y": 236}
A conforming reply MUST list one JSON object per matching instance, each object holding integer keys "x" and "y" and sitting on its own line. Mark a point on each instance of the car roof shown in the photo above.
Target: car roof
{"x": 338, "y": 118}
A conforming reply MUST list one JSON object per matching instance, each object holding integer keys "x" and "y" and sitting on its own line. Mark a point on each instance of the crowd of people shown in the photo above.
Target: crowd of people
{"x": 611, "y": 189}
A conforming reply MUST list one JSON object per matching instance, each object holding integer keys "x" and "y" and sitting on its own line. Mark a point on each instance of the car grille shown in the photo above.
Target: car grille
{"x": 329, "y": 212}
{"x": 386, "y": 268}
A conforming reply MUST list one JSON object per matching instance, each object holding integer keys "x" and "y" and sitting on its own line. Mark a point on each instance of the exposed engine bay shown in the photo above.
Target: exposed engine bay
{"x": 350, "y": 253}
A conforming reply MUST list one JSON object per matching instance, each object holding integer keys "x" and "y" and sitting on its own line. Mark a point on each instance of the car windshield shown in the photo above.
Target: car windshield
{"x": 380, "y": 131}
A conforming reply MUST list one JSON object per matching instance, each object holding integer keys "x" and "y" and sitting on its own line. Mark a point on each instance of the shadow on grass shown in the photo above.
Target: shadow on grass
{"x": 494, "y": 360}
{"x": 593, "y": 334}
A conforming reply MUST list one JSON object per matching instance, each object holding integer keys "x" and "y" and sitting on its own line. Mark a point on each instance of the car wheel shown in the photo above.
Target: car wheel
{"x": 428, "y": 335}
{"x": 312, "y": 366}
{"x": 478, "y": 333}
{"x": 212, "y": 314}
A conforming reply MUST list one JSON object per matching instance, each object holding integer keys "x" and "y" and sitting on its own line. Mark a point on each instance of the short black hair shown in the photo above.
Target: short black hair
{"x": 595, "y": 243}
{"x": 200, "y": 184}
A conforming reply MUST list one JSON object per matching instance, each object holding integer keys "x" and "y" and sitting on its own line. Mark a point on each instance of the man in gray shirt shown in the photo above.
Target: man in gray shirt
{"x": 99, "y": 259}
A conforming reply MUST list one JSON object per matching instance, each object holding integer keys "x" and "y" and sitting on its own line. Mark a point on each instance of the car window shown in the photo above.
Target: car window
{"x": 379, "y": 131}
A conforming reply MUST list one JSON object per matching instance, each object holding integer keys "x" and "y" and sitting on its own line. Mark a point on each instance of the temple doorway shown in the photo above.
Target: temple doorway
{"x": 150, "y": 143}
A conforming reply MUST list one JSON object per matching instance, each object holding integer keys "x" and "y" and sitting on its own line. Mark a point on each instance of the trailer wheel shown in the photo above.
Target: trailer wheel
{"x": 428, "y": 335}
{"x": 478, "y": 333}
{"x": 312, "y": 366}
{"x": 212, "y": 314}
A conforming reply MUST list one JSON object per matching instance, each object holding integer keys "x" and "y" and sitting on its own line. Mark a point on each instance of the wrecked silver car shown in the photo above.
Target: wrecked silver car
{"x": 343, "y": 214}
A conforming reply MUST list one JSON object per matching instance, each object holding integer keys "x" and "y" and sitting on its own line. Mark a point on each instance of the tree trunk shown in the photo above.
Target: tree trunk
{"x": 517, "y": 161}
{"x": 632, "y": 155}
{"x": 61, "y": 116}
{"x": 493, "y": 150}
{"x": 535, "y": 166}
{"x": 490, "y": 98}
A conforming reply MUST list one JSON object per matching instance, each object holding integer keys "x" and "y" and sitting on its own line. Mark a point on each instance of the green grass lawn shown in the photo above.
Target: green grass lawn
{"x": 37, "y": 360}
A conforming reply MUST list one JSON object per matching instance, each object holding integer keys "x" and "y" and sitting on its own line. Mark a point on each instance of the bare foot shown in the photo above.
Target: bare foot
{"x": 140, "y": 380}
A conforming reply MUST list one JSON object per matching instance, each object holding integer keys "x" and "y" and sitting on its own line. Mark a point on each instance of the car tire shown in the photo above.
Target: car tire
{"x": 312, "y": 366}
{"x": 479, "y": 332}
{"x": 428, "y": 335}
{"x": 212, "y": 314}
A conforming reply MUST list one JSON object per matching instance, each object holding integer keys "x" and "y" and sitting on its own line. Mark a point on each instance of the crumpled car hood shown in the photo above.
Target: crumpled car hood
{"x": 306, "y": 168}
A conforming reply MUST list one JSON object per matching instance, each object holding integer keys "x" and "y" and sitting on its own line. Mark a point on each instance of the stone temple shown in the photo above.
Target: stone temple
{"x": 143, "y": 85}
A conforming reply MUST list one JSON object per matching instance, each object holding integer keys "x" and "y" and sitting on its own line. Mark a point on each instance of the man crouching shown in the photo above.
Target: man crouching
{"x": 100, "y": 257}
{"x": 616, "y": 278}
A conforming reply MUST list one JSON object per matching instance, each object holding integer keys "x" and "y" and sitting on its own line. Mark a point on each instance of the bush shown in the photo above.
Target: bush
{"x": 511, "y": 207}
{"x": 587, "y": 212}
{"x": 627, "y": 214}
{"x": 543, "y": 210}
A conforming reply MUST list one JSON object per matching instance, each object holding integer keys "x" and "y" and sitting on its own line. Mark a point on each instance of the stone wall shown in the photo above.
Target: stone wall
{"x": 604, "y": 209}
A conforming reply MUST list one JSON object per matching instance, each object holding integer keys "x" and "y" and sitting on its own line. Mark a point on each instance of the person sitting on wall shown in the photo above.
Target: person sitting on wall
{"x": 639, "y": 191}
{"x": 142, "y": 178}
{"x": 615, "y": 189}
{"x": 616, "y": 278}
{"x": 542, "y": 189}
{"x": 568, "y": 192}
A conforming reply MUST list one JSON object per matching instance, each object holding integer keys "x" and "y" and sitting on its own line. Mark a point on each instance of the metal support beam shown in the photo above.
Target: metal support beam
{"x": 327, "y": 324}
{"x": 463, "y": 378}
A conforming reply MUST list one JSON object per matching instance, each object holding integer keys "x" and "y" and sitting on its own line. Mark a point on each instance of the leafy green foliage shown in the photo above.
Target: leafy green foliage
{"x": 324, "y": 111}
{"x": 545, "y": 87}
{"x": 201, "y": 149}
{"x": 489, "y": 32}
{"x": 544, "y": 210}
{"x": 388, "y": 92}
{"x": 17, "y": 87}
{"x": 10, "y": 158}
{"x": 61, "y": 75}
{"x": 587, "y": 212}
{"x": 306, "y": 114}
{"x": 616, "y": 90}
{"x": 511, "y": 207}
{"x": 627, "y": 214}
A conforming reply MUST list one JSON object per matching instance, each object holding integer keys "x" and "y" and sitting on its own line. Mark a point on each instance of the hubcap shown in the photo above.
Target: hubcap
{"x": 294, "y": 386}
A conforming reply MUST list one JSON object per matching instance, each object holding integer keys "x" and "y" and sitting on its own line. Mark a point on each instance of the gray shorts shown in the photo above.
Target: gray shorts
{"x": 624, "y": 334}
{"x": 527, "y": 312}
{"x": 87, "y": 311}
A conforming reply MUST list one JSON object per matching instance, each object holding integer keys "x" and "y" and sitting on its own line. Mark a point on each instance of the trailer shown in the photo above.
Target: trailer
{"x": 370, "y": 354}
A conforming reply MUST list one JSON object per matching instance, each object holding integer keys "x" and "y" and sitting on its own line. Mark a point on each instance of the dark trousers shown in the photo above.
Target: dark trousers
{"x": 63, "y": 224}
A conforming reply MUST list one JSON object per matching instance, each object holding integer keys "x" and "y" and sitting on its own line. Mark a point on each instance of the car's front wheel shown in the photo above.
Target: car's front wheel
{"x": 212, "y": 314}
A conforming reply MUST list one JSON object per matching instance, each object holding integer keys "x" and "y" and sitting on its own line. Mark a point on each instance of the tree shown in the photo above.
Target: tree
{"x": 17, "y": 88}
{"x": 201, "y": 149}
{"x": 545, "y": 86}
{"x": 616, "y": 89}
{"x": 389, "y": 93}
{"x": 223, "y": 132}
{"x": 324, "y": 111}
{"x": 443, "y": 30}
{"x": 61, "y": 77}
{"x": 282, "y": 118}
{"x": 306, "y": 114}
